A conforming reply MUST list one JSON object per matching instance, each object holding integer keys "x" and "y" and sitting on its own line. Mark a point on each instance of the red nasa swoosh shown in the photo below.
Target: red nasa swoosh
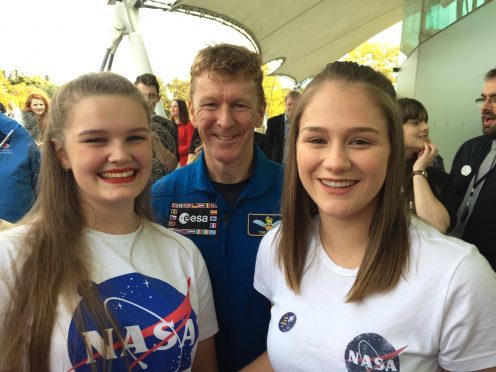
{"x": 389, "y": 356}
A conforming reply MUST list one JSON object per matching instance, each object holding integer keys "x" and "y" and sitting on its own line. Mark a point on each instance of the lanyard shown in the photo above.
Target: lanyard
{"x": 477, "y": 182}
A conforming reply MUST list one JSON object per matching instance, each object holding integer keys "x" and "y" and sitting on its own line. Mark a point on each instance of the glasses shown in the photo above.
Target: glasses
{"x": 482, "y": 100}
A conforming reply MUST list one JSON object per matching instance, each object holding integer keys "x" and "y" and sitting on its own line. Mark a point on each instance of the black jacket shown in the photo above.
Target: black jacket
{"x": 275, "y": 137}
{"x": 480, "y": 229}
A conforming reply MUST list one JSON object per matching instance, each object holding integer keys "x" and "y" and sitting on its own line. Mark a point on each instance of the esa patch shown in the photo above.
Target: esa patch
{"x": 260, "y": 224}
{"x": 193, "y": 218}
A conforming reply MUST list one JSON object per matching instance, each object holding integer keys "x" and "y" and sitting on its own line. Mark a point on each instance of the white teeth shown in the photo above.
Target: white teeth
{"x": 225, "y": 138}
{"x": 338, "y": 184}
{"x": 117, "y": 175}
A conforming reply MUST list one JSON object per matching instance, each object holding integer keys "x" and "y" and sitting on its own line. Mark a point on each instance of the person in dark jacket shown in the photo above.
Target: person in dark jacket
{"x": 278, "y": 128}
{"x": 164, "y": 132}
{"x": 474, "y": 178}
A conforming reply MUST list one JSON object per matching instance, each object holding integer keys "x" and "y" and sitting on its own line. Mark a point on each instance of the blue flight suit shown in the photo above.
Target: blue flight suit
{"x": 19, "y": 169}
{"x": 187, "y": 202}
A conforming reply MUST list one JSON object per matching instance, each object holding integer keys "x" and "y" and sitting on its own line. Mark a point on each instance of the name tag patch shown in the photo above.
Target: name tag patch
{"x": 193, "y": 218}
{"x": 260, "y": 224}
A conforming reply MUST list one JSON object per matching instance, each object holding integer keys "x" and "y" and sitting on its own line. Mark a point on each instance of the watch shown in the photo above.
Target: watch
{"x": 421, "y": 172}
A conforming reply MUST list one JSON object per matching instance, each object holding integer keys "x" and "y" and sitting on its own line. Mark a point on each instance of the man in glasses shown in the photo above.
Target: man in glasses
{"x": 474, "y": 178}
{"x": 164, "y": 132}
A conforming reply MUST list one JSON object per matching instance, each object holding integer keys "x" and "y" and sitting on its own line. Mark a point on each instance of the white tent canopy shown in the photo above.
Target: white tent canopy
{"x": 306, "y": 34}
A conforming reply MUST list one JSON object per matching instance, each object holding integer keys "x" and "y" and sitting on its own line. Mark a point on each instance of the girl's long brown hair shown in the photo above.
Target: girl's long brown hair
{"x": 183, "y": 111}
{"x": 386, "y": 256}
{"x": 53, "y": 264}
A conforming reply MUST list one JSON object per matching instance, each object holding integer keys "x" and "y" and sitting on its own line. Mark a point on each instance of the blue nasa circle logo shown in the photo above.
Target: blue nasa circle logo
{"x": 287, "y": 322}
{"x": 157, "y": 325}
{"x": 371, "y": 352}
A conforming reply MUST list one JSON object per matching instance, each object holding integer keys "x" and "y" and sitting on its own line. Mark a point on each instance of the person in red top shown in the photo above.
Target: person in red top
{"x": 179, "y": 113}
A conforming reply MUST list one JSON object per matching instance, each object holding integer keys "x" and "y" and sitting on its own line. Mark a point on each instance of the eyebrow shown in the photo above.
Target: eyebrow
{"x": 92, "y": 132}
{"x": 351, "y": 130}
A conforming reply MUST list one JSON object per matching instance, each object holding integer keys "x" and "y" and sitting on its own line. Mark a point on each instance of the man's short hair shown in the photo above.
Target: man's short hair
{"x": 292, "y": 94}
{"x": 490, "y": 75}
{"x": 229, "y": 60}
{"x": 149, "y": 80}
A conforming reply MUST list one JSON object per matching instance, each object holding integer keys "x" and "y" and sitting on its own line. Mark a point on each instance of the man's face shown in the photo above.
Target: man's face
{"x": 290, "y": 105}
{"x": 488, "y": 109}
{"x": 226, "y": 110}
{"x": 150, "y": 94}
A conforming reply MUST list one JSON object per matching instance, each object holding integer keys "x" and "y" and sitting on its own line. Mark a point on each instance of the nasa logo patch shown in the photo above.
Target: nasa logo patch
{"x": 371, "y": 352}
{"x": 287, "y": 322}
{"x": 157, "y": 324}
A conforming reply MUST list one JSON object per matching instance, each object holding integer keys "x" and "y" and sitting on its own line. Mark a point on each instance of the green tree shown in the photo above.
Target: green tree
{"x": 274, "y": 94}
{"x": 17, "y": 90}
{"x": 6, "y": 94}
{"x": 381, "y": 57}
{"x": 39, "y": 82}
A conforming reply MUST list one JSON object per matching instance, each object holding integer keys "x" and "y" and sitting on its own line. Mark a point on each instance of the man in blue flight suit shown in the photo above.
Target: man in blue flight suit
{"x": 229, "y": 198}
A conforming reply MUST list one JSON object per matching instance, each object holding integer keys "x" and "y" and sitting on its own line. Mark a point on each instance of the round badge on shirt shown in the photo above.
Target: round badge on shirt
{"x": 287, "y": 322}
{"x": 466, "y": 170}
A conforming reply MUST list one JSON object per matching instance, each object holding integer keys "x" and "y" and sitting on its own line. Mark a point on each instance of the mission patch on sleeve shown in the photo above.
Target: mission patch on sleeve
{"x": 260, "y": 224}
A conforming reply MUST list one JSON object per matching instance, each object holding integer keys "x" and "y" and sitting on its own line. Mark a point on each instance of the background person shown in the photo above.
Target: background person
{"x": 428, "y": 189}
{"x": 474, "y": 178}
{"x": 19, "y": 168}
{"x": 164, "y": 132}
{"x": 229, "y": 198}
{"x": 195, "y": 147}
{"x": 350, "y": 276}
{"x": 87, "y": 268}
{"x": 180, "y": 115}
{"x": 34, "y": 115}
{"x": 261, "y": 141}
{"x": 278, "y": 128}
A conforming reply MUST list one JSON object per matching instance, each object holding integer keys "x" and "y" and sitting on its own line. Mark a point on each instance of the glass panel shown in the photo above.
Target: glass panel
{"x": 424, "y": 18}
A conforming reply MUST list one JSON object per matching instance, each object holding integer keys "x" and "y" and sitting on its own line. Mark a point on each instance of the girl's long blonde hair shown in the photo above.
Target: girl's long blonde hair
{"x": 53, "y": 262}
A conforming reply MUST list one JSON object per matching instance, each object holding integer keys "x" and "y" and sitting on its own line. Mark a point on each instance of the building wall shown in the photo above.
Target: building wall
{"x": 446, "y": 74}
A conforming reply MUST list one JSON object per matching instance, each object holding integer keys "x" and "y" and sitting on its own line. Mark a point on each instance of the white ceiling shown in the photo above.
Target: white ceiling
{"x": 307, "y": 34}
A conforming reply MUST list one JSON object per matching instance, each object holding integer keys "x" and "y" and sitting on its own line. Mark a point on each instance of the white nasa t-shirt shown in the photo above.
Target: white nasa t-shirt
{"x": 155, "y": 284}
{"x": 441, "y": 313}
